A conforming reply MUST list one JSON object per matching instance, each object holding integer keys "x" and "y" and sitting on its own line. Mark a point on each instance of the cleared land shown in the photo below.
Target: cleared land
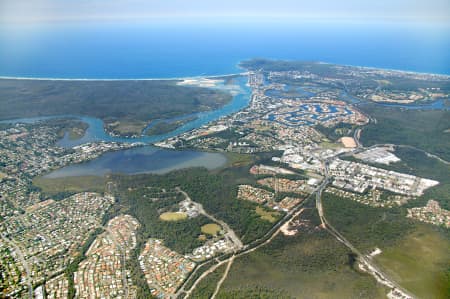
{"x": 211, "y": 229}
{"x": 348, "y": 142}
{"x": 173, "y": 216}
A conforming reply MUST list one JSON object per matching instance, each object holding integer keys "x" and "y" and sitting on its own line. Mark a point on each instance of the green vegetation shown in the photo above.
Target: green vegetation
{"x": 420, "y": 262}
{"x": 394, "y": 83}
{"x": 311, "y": 264}
{"x": 126, "y": 127}
{"x": 73, "y": 266}
{"x": 364, "y": 226}
{"x": 215, "y": 191}
{"x": 63, "y": 187}
{"x": 163, "y": 126}
{"x": 337, "y": 131}
{"x": 239, "y": 160}
{"x": 130, "y": 103}
{"x": 181, "y": 235}
{"x": 415, "y": 254}
{"x": 260, "y": 292}
{"x": 75, "y": 128}
{"x": 199, "y": 271}
{"x": 421, "y": 129}
{"x": 285, "y": 65}
{"x": 173, "y": 216}
{"x": 271, "y": 216}
{"x": 206, "y": 288}
{"x": 211, "y": 229}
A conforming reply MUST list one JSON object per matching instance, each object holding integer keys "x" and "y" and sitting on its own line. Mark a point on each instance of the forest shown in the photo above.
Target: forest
{"x": 131, "y": 103}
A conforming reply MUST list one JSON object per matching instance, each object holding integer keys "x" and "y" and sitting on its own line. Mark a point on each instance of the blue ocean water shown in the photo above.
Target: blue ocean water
{"x": 167, "y": 50}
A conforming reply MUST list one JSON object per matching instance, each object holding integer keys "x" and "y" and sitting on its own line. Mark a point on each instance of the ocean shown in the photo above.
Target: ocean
{"x": 166, "y": 50}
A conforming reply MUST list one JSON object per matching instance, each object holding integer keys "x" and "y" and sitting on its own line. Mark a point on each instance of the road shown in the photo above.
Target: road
{"x": 23, "y": 262}
{"x": 269, "y": 236}
{"x": 122, "y": 260}
{"x": 224, "y": 276}
{"x": 200, "y": 278}
{"x": 371, "y": 267}
{"x": 230, "y": 234}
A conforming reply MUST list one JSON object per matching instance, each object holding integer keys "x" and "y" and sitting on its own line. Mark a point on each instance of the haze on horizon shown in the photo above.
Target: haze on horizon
{"x": 42, "y": 11}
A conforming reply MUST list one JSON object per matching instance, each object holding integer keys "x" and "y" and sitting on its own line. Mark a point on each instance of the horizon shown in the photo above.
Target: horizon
{"x": 15, "y": 12}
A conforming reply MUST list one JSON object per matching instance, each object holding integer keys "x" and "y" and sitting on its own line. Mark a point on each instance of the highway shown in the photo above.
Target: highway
{"x": 371, "y": 268}
{"x": 246, "y": 249}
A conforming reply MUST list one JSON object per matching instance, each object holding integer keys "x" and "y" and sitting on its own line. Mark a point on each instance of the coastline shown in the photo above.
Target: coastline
{"x": 121, "y": 79}
{"x": 218, "y": 76}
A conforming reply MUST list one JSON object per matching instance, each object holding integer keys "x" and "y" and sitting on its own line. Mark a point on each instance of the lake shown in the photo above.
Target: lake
{"x": 142, "y": 160}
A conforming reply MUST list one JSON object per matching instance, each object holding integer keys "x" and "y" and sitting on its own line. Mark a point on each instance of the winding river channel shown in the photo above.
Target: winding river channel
{"x": 146, "y": 159}
{"x": 151, "y": 159}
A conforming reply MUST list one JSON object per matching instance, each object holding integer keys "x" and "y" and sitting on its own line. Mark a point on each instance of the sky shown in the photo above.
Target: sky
{"x": 41, "y": 11}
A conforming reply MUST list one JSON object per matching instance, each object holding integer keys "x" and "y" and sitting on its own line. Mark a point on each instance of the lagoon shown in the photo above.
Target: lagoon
{"x": 147, "y": 159}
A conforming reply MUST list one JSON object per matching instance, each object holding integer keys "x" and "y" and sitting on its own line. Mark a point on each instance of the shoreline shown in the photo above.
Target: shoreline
{"x": 244, "y": 73}
{"x": 121, "y": 79}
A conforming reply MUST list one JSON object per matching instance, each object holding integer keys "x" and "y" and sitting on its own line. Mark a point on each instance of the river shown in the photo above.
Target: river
{"x": 147, "y": 159}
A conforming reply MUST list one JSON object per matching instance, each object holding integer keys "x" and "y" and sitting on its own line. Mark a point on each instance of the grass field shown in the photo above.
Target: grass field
{"x": 2, "y": 175}
{"x": 52, "y": 187}
{"x": 267, "y": 215}
{"x": 211, "y": 229}
{"x": 173, "y": 216}
{"x": 420, "y": 263}
{"x": 330, "y": 145}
